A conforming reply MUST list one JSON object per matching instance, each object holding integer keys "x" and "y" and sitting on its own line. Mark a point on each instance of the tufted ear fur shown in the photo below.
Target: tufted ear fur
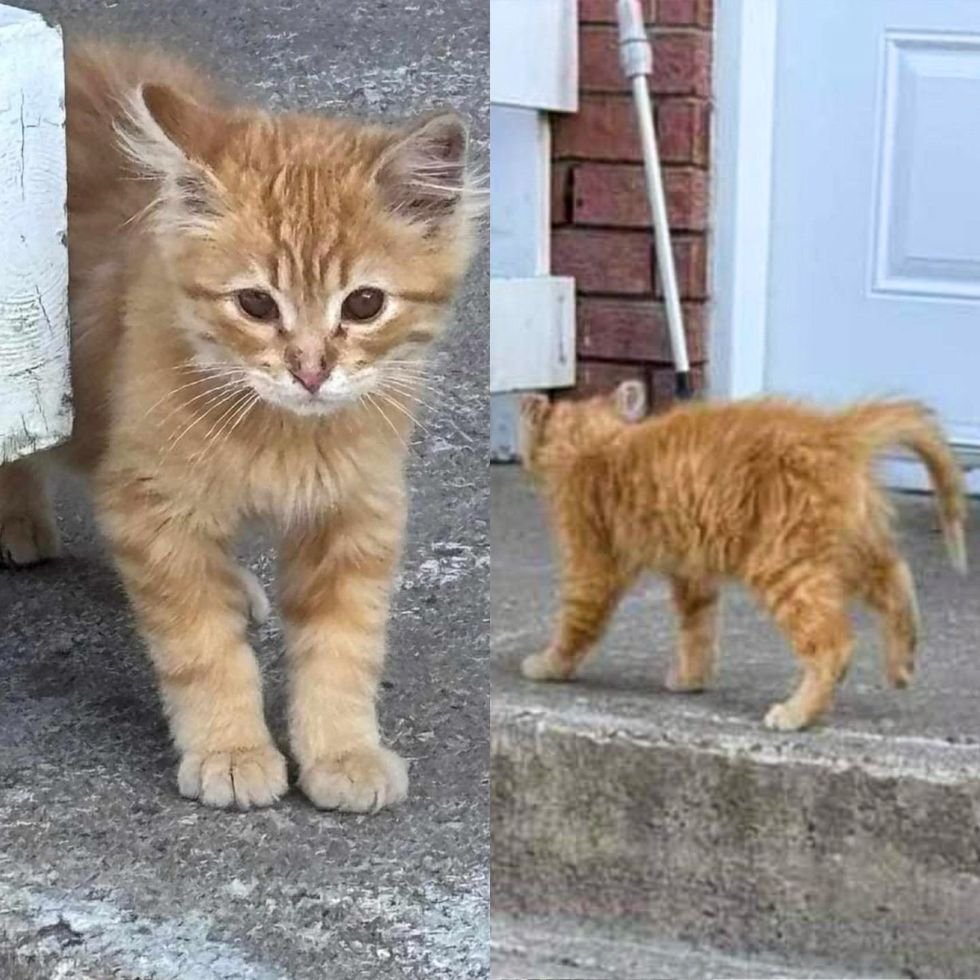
{"x": 423, "y": 173}
{"x": 535, "y": 409}
{"x": 170, "y": 137}
{"x": 630, "y": 401}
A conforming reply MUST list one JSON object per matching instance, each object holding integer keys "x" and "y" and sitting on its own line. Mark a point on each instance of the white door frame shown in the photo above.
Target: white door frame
{"x": 745, "y": 70}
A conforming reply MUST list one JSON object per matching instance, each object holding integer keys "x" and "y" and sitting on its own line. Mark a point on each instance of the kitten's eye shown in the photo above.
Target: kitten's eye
{"x": 363, "y": 304}
{"x": 257, "y": 304}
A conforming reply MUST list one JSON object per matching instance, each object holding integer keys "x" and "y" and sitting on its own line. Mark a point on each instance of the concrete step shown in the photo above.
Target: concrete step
{"x": 681, "y": 818}
{"x": 550, "y": 949}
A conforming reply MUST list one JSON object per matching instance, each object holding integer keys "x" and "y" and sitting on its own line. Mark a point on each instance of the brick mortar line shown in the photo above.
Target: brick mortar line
{"x": 656, "y": 30}
{"x": 668, "y": 165}
{"x": 685, "y": 234}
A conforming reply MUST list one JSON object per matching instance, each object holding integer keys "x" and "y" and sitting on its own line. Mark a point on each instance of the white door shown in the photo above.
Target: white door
{"x": 872, "y": 273}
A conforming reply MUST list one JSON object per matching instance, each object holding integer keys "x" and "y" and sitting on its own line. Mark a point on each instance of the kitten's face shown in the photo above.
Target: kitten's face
{"x": 314, "y": 259}
{"x": 312, "y": 333}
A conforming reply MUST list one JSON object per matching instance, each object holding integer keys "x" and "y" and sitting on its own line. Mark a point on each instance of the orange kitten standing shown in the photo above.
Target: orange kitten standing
{"x": 779, "y": 496}
{"x": 251, "y": 299}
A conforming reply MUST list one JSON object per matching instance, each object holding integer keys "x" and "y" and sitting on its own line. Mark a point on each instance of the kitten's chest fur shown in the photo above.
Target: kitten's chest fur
{"x": 313, "y": 474}
{"x": 294, "y": 475}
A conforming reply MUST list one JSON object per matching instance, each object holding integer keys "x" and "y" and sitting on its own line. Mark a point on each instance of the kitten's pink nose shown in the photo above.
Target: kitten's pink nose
{"x": 310, "y": 378}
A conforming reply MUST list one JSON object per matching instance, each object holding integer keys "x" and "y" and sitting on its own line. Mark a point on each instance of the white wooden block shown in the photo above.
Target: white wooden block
{"x": 532, "y": 333}
{"x": 35, "y": 384}
{"x": 534, "y": 54}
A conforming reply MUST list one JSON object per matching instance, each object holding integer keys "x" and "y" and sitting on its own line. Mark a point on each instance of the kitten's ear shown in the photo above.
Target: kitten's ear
{"x": 535, "y": 408}
{"x": 423, "y": 174}
{"x": 531, "y": 432}
{"x": 630, "y": 401}
{"x": 169, "y": 137}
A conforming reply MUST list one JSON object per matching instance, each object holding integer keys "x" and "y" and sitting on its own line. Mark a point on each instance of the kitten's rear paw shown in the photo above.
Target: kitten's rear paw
{"x": 785, "y": 717}
{"x": 543, "y": 667}
{"x": 27, "y": 540}
{"x": 244, "y": 777}
{"x": 362, "y": 780}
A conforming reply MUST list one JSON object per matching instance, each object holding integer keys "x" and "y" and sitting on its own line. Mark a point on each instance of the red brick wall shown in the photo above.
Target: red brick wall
{"x": 600, "y": 213}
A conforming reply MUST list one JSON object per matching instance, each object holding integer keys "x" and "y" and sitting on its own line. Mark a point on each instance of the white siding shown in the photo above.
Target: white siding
{"x": 534, "y": 54}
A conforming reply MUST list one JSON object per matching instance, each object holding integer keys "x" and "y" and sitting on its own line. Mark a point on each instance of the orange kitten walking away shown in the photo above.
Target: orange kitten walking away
{"x": 779, "y": 496}
{"x": 251, "y": 298}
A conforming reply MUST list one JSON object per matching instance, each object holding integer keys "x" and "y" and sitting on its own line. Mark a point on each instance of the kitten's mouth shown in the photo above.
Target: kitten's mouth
{"x": 312, "y": 403}
{"x": 300, "y": 400}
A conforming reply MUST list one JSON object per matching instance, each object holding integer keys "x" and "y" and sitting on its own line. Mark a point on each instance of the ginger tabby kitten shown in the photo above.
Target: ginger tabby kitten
{"x": 777, "y": 495}
{"x": 252, "y": 297}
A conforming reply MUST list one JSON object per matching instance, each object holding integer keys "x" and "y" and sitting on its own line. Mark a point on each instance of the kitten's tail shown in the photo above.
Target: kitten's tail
{"x": 912, "y": 425}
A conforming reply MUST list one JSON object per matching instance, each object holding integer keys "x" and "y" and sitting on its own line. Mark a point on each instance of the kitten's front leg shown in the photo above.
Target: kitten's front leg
{"x": 190, "y": 603}
{"x": 589, "y": 593}
{"x": 696, "y": 600}
{"x": 336, "y": 580}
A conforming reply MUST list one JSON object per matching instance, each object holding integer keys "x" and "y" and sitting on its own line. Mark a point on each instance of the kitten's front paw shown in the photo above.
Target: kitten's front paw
{"x": 543, "y": 667}
{"x": 785, "y": 717}
{"x": 678, "y": 683}
{"x": 26, "y": 540}
{"x": 256, "y": 600}
{"x": 900, "y": 675}
{"x": 242, "y": 778}
{"x": 361, "y": 781}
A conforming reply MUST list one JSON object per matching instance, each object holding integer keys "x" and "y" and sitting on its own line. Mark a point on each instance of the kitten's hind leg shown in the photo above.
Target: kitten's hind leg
{"x": 28, "y": 533}
{"x": 696, "y": 601}
{"x": 888, "y": 588}
{"x": 587, "y": 600}
{"x": 808, "y": 603}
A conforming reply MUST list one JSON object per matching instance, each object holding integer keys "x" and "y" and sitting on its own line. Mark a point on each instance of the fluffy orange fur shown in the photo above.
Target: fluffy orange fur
{"x": 251, "y": 299}
{"x": 774, "y": 494}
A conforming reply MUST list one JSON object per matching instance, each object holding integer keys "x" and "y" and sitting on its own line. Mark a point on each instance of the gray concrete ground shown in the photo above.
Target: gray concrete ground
{"x": 104, "y": 871}
{"x": 618, "y": 804}
{"x": 547, "y": 949}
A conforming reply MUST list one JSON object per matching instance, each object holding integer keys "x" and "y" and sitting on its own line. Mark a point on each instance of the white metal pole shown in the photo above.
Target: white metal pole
{"x": 636, "y": 58}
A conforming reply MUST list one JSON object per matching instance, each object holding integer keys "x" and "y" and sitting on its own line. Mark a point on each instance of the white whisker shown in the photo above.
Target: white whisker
{"x": 190, "y": 384}
{"x": 211, "y": 406}
{"x": 235, "y": 404}
{"x": 238, "y": 412}
{"x": 395, "y": 388}
{"x": 401, "y": 408}
{"x": 411, "y": 384}
{"x": 391, "y": 424}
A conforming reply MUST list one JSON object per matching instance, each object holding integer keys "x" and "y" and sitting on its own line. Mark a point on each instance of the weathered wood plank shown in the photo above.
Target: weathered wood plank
{"x": 35, "y": 388}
